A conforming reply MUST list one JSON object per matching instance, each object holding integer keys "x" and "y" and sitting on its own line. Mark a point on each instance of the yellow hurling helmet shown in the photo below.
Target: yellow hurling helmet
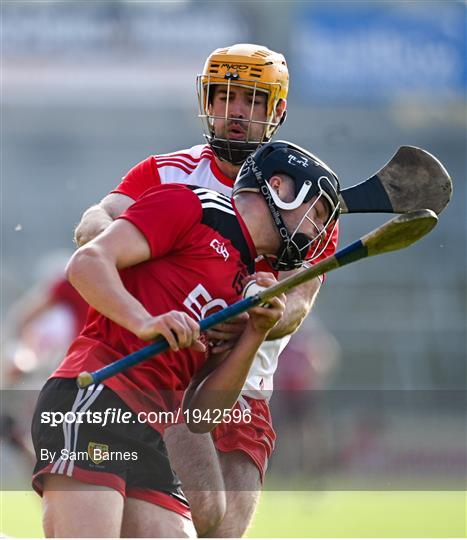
{"x": 248, "y": 66}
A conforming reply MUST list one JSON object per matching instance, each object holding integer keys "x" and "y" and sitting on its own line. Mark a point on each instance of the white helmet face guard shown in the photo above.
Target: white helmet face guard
{"x": 311, "y": 248}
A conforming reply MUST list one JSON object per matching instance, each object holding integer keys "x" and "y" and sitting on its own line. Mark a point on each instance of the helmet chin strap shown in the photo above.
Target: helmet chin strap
{"x": 292, "y": 251}
{"x": 291, "y": 254}
{"x": 235, "y": 152}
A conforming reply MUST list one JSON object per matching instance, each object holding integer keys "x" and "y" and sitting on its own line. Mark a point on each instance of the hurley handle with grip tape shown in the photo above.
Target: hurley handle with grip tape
{"x": 160, "y": 345}
{"x": 398, "y": 233}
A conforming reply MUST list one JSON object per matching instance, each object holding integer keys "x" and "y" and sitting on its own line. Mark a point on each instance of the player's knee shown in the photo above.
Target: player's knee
{"x": 208, "y": 510}
{"x": 186, "y": 529}
{"x": 180, "y": 527}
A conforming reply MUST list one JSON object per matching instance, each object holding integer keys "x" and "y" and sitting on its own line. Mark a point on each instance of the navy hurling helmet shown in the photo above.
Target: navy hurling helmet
{"x": 313, "y": 179}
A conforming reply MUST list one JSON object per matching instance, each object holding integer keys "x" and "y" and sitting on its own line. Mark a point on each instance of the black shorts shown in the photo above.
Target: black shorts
{"x": 128, "y": 456}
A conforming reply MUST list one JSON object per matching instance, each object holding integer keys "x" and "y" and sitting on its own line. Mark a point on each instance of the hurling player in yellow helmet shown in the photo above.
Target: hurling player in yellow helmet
{"x": 234, "y": 133}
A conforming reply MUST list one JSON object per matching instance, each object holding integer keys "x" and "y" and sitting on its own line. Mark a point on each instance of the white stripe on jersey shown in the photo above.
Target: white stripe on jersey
{"x": 212, "y": 193}
{"x": 213, "y": 196}
{"x": 192, "y": 166}
{"x": 217, "y": 207}
{"x": 206, "y": 153}
{"x": 213, "y": 199}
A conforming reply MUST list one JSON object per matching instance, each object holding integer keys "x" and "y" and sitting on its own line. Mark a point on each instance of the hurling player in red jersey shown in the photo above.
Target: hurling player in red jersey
{"x": 187, "y": 249}
{"x": 242, "y": 96}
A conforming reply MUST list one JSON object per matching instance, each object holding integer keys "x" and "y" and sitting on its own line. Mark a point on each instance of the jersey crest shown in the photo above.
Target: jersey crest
{"x": 219, "y": 214}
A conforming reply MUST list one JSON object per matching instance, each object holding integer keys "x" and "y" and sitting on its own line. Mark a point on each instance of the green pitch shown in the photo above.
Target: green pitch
{"x": 304, "y": 514}
{"x": 20, "y": 514}
{"x": 338, "y": 514}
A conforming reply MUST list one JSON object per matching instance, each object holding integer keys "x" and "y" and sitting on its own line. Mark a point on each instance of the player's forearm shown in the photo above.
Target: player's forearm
{"x": 221, "y": 388}
{"x": 293, "y": 318}
{"x": 97, "y": 280}
{"x": 299, "y": 303}
{"x": 95, "y": 220}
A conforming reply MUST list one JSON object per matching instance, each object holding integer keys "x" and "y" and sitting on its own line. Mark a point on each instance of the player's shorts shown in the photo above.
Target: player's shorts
{"x": 129, "y": 457}
{"x": 255, "y": 438}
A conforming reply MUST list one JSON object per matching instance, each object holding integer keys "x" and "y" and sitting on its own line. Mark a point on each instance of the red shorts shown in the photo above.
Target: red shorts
{"x": 255, "y": 438}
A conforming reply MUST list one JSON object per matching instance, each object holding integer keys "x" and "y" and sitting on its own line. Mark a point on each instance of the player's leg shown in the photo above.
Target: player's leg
{"x": 142, "y": 519}
{"x": 195, "y": 460}
{"x": 83, "y": 495}
{"x": 155, "y": 505}
{"x": 74, "y": 509}
{"x": 244, "y": 446}
{"x": 243, "y": 488}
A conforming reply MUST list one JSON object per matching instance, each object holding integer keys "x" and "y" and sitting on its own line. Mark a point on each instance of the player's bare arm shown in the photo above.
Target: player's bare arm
{"x": 299, "y": 304}
{"x": 93, "y": 271}
{"x": 224, "y": 336}
{"x": 98, "y": 217}
{"x": 220, "y": 381}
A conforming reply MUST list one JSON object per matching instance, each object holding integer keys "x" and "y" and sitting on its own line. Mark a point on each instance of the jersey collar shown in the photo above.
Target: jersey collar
{"x": 223, "y": 179}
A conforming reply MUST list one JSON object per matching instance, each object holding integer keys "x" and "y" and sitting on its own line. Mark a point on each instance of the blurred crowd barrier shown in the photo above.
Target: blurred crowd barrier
{"x": 91, "y": 88}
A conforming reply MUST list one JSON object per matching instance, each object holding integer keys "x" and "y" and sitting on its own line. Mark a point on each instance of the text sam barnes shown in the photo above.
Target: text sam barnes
{"x": 97, "y": 455}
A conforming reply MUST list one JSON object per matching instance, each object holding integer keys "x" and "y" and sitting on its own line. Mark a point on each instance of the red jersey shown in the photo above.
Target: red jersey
{"x": 200, "y": 252}
{"x": 194, "y": 166}
{"x": 197, "y": 166}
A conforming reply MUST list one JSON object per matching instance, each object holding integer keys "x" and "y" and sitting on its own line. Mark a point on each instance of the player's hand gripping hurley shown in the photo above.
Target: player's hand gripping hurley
{"x": 400, "y": 232}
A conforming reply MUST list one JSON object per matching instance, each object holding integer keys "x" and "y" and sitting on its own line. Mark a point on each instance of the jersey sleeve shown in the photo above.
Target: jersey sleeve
{"x": 139, "y": 179}
{"x": 165, "y": 215}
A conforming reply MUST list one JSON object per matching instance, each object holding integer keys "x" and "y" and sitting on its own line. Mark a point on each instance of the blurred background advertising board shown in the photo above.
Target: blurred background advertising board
{"x": 111, "y": 46}
{"x": 368, "y": 52}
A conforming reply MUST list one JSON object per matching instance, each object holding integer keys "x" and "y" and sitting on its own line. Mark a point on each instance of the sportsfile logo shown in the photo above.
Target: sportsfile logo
{"x": 220, "y": 248}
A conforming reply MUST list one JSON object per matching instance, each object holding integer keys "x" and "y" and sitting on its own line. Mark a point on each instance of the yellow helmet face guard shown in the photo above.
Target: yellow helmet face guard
{"x": 205, "y": 87}
{"x": 246, "y": 66}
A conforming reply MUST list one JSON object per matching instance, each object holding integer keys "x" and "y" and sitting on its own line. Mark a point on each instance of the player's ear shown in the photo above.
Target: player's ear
{"x": 281, "y": 110}
{"x": 275, "y": 182}
{"x": 280, "y": 185}
{"x": 283, "y": 185}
